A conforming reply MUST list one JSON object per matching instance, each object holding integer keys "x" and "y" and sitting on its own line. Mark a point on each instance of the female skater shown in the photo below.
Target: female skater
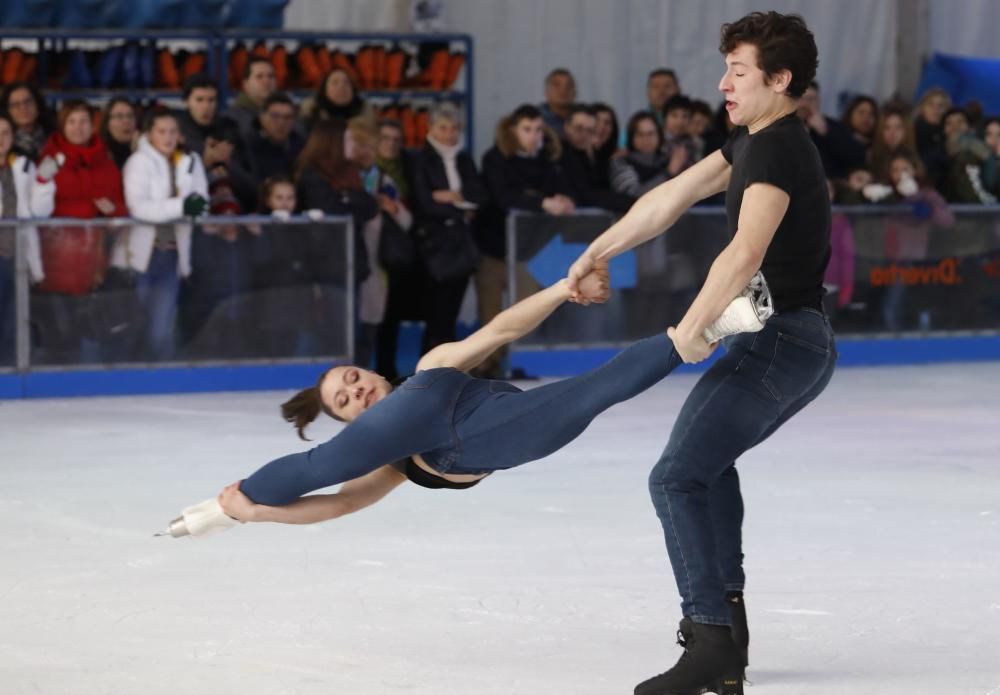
{"x": 440, "y": 428}
{"x": 778, "y": 214}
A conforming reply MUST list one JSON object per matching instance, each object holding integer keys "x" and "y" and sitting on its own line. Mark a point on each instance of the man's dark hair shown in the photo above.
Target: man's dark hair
{"x": 783, "y": 42}
{"x": 557, "y": 72}
{"x": 662, "y": 72}
{"x": 154, "y": 114}
{"x": 813, "y": 84}
{"x": 199, "y": 80}
{"x": 277, "y": 98}
{"x": 678, "y": 102}
{"x": 525, "y": 112}
{"x": 225, "y": 129}
{"x": 254, "y": 60}
{"x": 579, "y": 108}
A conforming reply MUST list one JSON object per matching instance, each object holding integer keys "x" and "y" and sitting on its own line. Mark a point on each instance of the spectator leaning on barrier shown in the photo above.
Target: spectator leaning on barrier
{"x": 336, "y": 99}
{"x": 893, "y": 135}
{"x": 581, "y": 167}
{"x": 971, "y": 163}
{"x": 272, "y": 149}
{"x": 837, "y": 148}
{"x": 928, "y": 129}
{"x": 645, "y": 166}
{"x": 661, "y": 85}
{"x": 560, "y": 94}
{"x": 360, "y": 145}
{"x": 258, "y": 84}
{"x": 447, "y": 193}
{"x": 201, "y": 110}
{"x": 87, "y": 185}
{"x": 678, "y": 145}
{"x": 521, "y": 172}
{"x": 163, "y": 185}
{"x": 22, "y": 195}
{"x": 218, "y": 316}
{"x": 907, "y": 236}
{"x": 31, "y": 116}
{"x": 326, "y": 180}
{"x": 861, "y": 118}
{"x": 406, "y": 284}
{"x": 119, "y": 129}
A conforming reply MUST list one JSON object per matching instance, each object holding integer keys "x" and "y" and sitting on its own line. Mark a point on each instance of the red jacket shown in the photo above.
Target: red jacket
{"x": 74, "y": 258}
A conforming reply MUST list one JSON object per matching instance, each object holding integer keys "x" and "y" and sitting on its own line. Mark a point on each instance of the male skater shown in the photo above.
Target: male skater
{"x": 779, "y": 216}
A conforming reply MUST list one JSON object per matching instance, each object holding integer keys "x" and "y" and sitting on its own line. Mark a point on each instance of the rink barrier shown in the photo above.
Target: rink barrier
{"x": 560, "y": 352}
{"x": 238, "y": 285}
{"x": 921, "y": 293}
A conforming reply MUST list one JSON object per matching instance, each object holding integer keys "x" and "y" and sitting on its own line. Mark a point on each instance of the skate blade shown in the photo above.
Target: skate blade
{"x": 728, "y": 686}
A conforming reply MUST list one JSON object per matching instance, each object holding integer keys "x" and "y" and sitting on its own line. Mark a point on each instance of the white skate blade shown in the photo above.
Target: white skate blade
{"x": 200, "y": 520}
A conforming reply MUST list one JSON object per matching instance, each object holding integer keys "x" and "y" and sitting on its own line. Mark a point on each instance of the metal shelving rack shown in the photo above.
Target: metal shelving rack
{"x": 218, "y": 44}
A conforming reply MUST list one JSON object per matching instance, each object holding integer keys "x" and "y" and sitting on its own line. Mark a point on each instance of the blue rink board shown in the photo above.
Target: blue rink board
{"x": 558, "y": 363}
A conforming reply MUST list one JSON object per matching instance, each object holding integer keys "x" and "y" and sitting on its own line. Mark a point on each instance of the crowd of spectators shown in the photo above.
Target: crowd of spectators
{"x": 332, "y": 154}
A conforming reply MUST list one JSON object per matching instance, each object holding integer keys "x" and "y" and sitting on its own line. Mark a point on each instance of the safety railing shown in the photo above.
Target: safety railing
{"x": 124, "y": 292}
{"x": 895, "y": 271}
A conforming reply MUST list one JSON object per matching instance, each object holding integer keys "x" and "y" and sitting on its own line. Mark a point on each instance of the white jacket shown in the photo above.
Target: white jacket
{"x": 34, "y": 199}
{"x": 147, "y": 194}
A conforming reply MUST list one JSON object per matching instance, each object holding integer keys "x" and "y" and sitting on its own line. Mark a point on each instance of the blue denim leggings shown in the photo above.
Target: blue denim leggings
{"x": 513, "y": 427}
{"x": 763, "y": 379}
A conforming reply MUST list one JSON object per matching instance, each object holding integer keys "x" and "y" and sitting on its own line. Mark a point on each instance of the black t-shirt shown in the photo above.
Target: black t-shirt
{"x": 783, "y": 155}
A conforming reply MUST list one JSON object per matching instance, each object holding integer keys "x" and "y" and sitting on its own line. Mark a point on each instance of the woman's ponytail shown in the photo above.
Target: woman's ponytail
{"x": 301, "y": 409}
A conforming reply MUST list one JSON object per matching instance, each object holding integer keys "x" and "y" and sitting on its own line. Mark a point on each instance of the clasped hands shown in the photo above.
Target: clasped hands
{"x": 589, "y": 281}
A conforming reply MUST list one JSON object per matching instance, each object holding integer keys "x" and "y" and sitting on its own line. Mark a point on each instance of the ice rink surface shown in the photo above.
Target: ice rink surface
{"x": 872, "y": 540}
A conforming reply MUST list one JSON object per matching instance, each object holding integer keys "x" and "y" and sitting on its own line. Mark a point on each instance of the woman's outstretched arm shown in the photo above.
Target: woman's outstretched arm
{"x": 354, "y": 495}
{"x": 513, "y": 323}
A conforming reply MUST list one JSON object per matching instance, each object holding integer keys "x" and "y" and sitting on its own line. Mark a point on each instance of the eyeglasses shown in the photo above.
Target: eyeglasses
{"x": 280, "y": 116}
{"x": 21, "y": 103}
{"x": 122, "y": 117}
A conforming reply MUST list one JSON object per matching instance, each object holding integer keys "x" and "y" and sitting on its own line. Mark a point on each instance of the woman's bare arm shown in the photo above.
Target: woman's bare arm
{"x": 513, "y": 323}
{"x": 354, "y": 495}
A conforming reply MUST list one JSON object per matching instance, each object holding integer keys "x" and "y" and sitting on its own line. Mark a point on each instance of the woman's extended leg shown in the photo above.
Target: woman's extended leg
{"x": 529, "y": 425}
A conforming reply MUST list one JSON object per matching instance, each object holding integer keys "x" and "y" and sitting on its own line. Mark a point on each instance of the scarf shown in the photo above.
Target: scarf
{"x": 449, "y": 155}
{"x": 394, "y": 169}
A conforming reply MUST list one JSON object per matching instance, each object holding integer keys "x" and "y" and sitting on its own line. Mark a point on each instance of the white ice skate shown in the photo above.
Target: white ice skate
{"x": 200, "y": 520}
{"x": 745, "y": 314}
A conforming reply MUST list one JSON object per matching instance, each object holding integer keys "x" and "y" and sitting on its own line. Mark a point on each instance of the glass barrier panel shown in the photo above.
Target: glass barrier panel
{"x": 222, "y": 290}
{"x": 904, "y": 270}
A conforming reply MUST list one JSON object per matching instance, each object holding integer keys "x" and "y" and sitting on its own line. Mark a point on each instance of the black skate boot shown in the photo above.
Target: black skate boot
{"x": 711, "y": 662}
{"x": 741, "y": 633}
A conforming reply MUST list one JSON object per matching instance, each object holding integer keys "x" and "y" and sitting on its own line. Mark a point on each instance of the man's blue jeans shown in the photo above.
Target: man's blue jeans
{"x": 763, "y": 379}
